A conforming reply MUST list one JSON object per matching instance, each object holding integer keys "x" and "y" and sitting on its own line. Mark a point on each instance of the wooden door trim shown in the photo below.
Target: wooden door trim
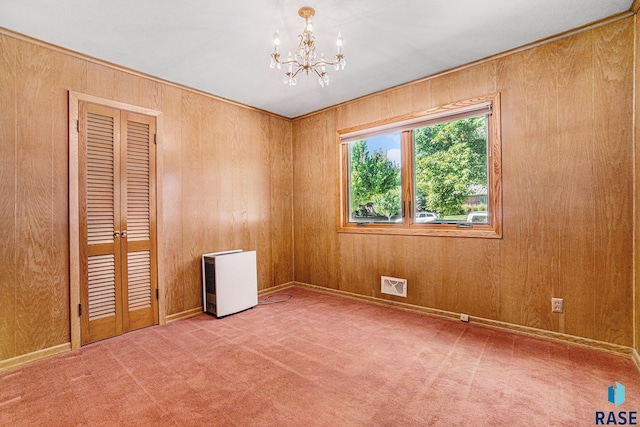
{"x": 74, "y": 209}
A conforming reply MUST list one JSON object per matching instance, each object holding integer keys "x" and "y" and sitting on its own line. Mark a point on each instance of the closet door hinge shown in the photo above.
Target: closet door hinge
{"x": 155, "y": 138}
{"x": 78, "y": 126}
{"x": 157, "y": 293}
{"x": 79, "y": 309}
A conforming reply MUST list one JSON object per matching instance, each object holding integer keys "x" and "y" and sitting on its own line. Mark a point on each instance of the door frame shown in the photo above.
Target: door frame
{"x": 74, "y": 206}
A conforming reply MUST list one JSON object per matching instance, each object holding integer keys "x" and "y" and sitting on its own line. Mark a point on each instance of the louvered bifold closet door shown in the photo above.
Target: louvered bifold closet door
{"x": 139, "y": 222}
{"x": 100, "y": 217}
{"x": 117, "y": 221}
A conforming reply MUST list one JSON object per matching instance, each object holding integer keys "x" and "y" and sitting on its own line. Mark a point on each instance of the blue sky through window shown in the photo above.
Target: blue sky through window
{"x": 389, "y": 143}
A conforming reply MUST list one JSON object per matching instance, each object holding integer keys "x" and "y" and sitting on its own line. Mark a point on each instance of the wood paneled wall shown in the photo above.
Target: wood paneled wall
{"x": 226, "y": 184}
{"x": 567, "y": 121}
{"x": 234, "y": 177}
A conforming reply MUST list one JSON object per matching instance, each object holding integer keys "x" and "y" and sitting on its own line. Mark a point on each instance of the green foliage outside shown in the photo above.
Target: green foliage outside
{"x": 449, "y": 158}
{"x": 389, "y": 203}
{"x": 371, "y": 175}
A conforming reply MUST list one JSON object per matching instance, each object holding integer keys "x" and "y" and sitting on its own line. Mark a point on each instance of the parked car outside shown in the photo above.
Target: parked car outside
{"x": 480, "y": 217}
{"x": 426, "y": 217}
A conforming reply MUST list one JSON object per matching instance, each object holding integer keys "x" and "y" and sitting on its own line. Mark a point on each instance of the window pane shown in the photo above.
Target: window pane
{"x": 375, "y": 184}
{"x": 451, "y": 172}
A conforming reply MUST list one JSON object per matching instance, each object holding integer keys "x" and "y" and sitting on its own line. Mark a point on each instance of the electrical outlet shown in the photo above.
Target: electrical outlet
{"x": 557, "y": 305}
{"x": 464, "y": 317}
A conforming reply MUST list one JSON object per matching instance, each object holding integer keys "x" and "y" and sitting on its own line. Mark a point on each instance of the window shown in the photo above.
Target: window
{"x": 433, "y": 173}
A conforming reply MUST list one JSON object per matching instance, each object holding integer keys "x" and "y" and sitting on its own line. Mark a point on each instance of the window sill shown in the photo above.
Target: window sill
{"x": 482, "y": 231}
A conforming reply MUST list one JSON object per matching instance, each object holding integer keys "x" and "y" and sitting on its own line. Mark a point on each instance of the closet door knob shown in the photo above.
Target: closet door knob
{"x": 124, "y": 234}
{"x": 116, "y": 234}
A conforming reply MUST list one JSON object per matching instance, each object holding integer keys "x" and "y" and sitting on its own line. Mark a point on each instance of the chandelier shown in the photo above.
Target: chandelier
{"x": 304, "y": 59}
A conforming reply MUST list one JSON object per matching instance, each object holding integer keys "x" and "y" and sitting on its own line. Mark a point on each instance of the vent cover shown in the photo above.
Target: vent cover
{"x": 394, "y": 286}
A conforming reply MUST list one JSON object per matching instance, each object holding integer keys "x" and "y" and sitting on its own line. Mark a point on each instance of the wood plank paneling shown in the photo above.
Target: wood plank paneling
{"x": 467, "y": 83}
{"x": 243, "y": 164}
{"x": 42, "y": 175}
{"x": 170, "y": 224}
{"x": 315, "y": 216}
{"x": 224, "y": 183}
{"x": 101, "y": 81}
{"x": 281, "y": 200}
{"x": 566, "y": 123}
{"x": 8, "y": 152}
{"x": 211, "y": 196}
{"x": 533, "y": 246}
{"x": 192, "y": 214}
{"x": 34, "y": 204}
{"x": 259, "y": 208}
{"x": 575, "y": 238}
{"x": 612, "y": 166}
{"x": 513, "y": 91}
{"x": 70, "y": 73}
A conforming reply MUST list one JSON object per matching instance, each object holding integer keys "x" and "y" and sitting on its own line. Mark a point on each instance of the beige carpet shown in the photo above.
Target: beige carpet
{"x": 318, "y": 360}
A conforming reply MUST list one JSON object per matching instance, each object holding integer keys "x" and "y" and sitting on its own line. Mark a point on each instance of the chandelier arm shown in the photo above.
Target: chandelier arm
{"x": 297, "y": 72}
{"x": 315, "y": 70}
{"x": 292, "y": 61}
{"x": 321, "y": 63}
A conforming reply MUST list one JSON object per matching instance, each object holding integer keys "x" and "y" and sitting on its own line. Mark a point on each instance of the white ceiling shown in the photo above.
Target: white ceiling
{"x": 223, "y": 47}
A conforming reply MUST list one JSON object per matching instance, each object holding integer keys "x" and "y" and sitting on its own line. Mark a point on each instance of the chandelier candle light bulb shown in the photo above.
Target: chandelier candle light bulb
{"x": 305, "y": 56}
{"x": 275, "y": 57}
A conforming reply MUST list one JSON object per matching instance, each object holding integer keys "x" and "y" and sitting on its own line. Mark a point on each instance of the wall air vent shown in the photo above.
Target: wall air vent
{"x": 393, "y": 286}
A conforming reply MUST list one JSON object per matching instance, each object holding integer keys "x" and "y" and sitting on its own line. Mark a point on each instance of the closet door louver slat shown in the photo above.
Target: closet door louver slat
{"x": 138, "y": 218}
{"x": 102, "y": 286}
{"x": 139, "y": 278}
{"x": 100, "y": 178}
